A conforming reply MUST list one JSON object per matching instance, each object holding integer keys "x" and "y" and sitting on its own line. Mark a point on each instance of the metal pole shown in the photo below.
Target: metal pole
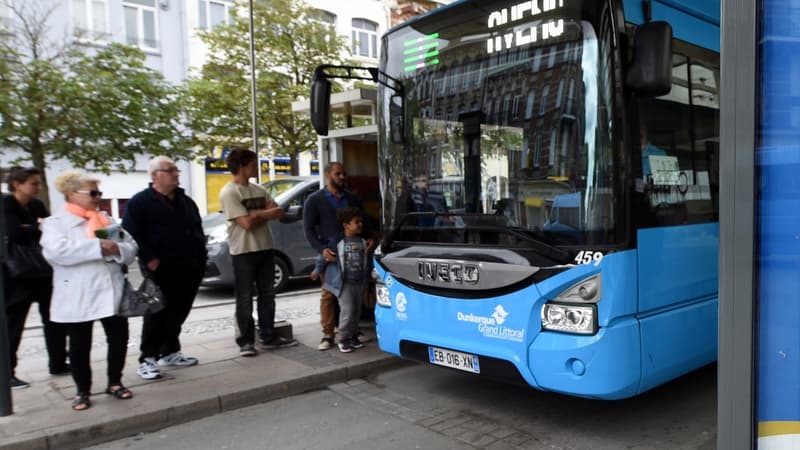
{"x": 254, "y": 111}
{"x": 6, "y": 408}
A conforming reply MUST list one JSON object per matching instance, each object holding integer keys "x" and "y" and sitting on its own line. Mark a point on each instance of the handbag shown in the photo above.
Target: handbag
{"x": 25, "y": 261}
{"x": 136, "y": 302}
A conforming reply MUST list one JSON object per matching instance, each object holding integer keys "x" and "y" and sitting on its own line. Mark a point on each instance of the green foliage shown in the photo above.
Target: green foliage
{"x": 126, "y": 109}
{"x": 97, "y": 111}
{"x": 289, "y": 44}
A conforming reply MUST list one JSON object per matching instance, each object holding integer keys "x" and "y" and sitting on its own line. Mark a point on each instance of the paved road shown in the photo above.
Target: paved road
{"x": 432, "y": 408}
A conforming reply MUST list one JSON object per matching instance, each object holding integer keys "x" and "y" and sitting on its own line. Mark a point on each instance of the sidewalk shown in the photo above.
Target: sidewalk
{"x": 223, "y": 381}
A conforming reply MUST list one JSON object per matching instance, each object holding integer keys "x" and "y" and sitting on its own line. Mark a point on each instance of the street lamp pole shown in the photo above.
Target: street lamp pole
{"x": 254, "y": 115}
{"x": 6, "y": 408}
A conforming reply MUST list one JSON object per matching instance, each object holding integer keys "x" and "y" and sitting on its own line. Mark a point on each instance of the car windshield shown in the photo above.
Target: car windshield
{"x": 214, "y": 220}
{"x": 277, "y": 187}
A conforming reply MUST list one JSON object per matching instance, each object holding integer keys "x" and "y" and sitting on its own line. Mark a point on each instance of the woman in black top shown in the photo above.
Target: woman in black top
{"x": 23, "y": 212}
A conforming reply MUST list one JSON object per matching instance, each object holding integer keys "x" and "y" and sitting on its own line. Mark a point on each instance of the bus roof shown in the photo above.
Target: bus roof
{"x": 694, "y": 21}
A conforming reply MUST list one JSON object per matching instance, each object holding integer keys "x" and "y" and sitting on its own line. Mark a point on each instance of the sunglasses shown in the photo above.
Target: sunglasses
{"x": 92, "y": 193}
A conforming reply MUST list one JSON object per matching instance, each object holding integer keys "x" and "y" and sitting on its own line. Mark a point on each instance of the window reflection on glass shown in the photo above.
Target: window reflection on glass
{"x": 544, "y": 169}
{"x": 679, "y": 148}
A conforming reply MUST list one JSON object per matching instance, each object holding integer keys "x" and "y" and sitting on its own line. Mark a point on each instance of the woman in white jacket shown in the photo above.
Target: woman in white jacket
{"x": 87, "y": 281}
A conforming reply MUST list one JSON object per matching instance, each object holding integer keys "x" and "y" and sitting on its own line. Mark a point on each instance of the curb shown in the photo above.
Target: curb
{"x": 83, "y": 435}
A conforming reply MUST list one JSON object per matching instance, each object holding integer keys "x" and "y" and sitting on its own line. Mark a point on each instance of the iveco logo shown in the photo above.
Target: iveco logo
{"x": 453, "y": 273}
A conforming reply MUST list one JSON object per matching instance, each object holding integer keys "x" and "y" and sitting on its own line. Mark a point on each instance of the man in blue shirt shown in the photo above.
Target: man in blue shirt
{"x": 321, "y": 226}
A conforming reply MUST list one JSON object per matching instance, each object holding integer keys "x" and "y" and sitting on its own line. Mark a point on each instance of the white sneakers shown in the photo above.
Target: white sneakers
{"x": 149, "y": 368}
{"x": 177, "y": 359}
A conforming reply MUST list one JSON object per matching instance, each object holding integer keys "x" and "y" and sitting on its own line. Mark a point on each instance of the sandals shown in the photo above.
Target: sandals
{"x": 81, "y": 402}
{"x": 121, "y": 392}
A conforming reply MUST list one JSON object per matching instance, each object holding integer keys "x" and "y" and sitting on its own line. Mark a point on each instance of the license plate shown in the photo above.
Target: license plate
{"x": 454, "y": 360}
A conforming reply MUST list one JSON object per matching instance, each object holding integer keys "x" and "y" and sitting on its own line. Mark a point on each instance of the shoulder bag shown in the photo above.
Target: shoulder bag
{"x": 136, "y": 302}
{"x": 25, "y": 261}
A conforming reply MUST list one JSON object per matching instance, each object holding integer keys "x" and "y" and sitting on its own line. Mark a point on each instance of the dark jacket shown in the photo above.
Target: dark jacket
{"x": 22, "y": 224}
{"x": 22, "y": 227}
{"x": 319, "y": 218}
{"x": 170, "y": 230}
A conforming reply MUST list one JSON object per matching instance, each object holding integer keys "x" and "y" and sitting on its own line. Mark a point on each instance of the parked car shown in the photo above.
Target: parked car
{"x": 294, "y": 257}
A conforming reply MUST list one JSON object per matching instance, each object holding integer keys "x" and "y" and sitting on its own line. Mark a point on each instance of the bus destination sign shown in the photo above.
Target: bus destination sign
{"x": 509, "y": 38}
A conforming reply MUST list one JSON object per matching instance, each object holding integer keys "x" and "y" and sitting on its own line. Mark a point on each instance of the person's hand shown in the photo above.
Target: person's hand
{"x": 329, "y": 255}
{"x": 152, "y": 265}
{"x": 371, "y": 244}
{"x": 109, "y": 247}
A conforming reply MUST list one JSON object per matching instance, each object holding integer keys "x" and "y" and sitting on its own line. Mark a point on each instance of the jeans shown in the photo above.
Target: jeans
{"x": 80, "y": 347}
{"x": 161, "y": 330}
{"x": 254, "y": 269}
{"x": 350, "y": 305}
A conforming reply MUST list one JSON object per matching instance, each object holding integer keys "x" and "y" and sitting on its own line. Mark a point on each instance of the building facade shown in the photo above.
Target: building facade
{"x": 167, "y": 32}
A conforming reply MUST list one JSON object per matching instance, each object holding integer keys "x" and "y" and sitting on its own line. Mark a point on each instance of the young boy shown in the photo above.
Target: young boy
{"x": 347, "y": 277}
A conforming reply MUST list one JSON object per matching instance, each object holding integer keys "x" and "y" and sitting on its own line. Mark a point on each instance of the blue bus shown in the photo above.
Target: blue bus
{"x": 603, "y": 111}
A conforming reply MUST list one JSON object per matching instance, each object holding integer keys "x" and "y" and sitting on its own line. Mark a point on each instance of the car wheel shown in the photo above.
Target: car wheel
{"x": 281, "y": 274}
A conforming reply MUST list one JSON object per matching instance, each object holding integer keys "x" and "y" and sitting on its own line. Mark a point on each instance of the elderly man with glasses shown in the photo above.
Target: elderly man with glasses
{"x": 172, "y": 250}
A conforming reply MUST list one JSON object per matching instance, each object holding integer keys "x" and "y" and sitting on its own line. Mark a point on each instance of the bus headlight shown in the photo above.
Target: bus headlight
{"x": 580, "y": 319}
{"x": 381, "y": 291}
{"x": 382, "y": 295}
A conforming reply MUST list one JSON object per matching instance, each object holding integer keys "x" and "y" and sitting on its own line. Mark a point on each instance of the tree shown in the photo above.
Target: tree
{"x": 290, "y": 42}
{"x": 97, "y": 110}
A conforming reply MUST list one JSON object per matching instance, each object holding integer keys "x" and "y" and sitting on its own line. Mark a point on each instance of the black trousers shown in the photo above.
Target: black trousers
{"x": 254, "y": 269}
{"x": 80, "y": 347}
{"x": 160, "y": 330}
{"x": 19, "y": 299}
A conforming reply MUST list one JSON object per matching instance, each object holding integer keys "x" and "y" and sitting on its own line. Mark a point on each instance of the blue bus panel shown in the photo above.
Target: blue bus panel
{"x": 777, "y": 267}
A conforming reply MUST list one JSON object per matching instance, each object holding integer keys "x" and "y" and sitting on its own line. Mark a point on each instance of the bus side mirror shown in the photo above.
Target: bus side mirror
{"x": 650, "y": 72}
{"x": 320, "y": 101}
{"x": 397, "y": 119}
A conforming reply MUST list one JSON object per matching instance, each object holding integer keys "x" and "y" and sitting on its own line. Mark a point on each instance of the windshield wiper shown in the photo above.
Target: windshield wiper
{"x": 400, "y": 226}
{"x": 538, "y": 244}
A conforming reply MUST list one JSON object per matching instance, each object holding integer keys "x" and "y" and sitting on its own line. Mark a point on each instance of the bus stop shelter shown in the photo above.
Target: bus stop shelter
{"x": 759, "y": 321}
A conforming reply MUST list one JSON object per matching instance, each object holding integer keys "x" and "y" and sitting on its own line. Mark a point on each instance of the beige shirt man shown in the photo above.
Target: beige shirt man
{"x": 239, "y": 200}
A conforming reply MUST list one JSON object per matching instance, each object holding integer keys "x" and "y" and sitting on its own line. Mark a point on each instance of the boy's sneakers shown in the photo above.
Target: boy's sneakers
{"x": 345, "y": 347}
{"x": 248, "y": 350}
{"x": 148, "y": 369}
{"x": 356, "y": 343}
{"x": 16, "y": 383}
{"x": 277, "y": 342}
{"x": 177, "y": 359}
{"x": 325, "y": 343}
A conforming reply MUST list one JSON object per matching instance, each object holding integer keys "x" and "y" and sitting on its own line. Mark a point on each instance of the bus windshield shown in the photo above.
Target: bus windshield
{"x": 508, "y": 124}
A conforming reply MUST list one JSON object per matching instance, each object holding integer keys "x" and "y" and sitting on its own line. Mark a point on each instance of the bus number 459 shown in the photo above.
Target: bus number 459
{"x": 586, "y": 257}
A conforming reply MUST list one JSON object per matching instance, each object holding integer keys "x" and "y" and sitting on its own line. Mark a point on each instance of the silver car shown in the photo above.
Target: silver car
{"x": 294, "y": 257}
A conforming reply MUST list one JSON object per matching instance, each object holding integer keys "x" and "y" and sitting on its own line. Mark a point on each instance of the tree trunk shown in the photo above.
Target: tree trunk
{"x": 295, "y": 163}
{"x": 37, "y": 156}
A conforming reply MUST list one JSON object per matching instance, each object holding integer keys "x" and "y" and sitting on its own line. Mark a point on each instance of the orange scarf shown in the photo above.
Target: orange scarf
{"x": 96, "y": 220}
